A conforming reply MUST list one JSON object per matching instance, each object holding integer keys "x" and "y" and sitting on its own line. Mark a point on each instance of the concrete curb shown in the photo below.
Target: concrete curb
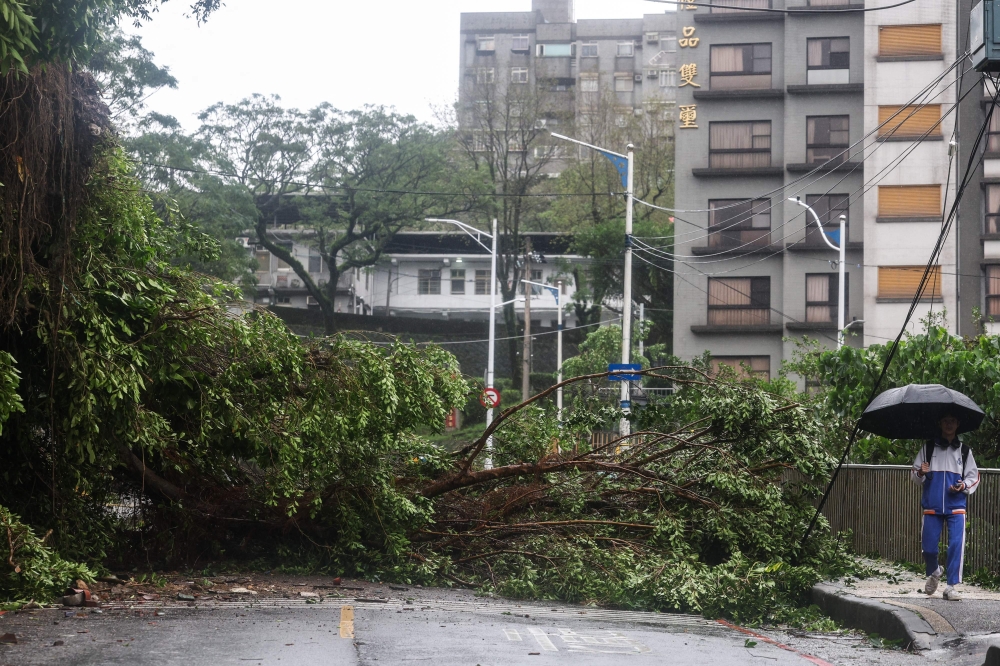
{"x": 872, "y": 616}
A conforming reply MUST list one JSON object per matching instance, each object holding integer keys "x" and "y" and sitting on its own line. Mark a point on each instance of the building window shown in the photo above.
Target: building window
{"x": 827, "y": 139}
{"x": 315, "y": 263}
{"x": 829, "y": 208}
{"x": 739, "y": 145}
{"x": 722, "y": 6}
{"x": 429, "y": 281}
{"x": 993, "y": 133}
{"x": 536, "y": 276}
{"x": 519, "y": 43}
{"x": 903, "y": 41}
{"x": 485, "y": 75}
{"x": 482, "y": 282}
{"x": 263, "y": 258}
{"x": 485, "y": 43}
{"x": 909, "y": 122}
{"x": 283, "y": 300}
{"x": 822, "y": 291}
{"x": 739, "y": 301}
{"x": 588, "y": 50}
{"x": 519, "y": 75}
{"x": 828, "y": 60}
{"x": 668, "y": 78}
{"x": 625, "y": 49}
{"x": 827, "y": 3}
{"x": 589, "y": 83}
{"x": 745, "y": 366}
{"x": 624, "y": 82}
{"x": 739, "y": 222}
{"x": 555, "y": 50}
{"x": 992, "y": 209}
{"x": 899, "y": 283}
{"x": 993, "y": 291}
{"x": 458, "y": 280}
{"x": 740, "y": 67}
{"x": 909, "y": 201}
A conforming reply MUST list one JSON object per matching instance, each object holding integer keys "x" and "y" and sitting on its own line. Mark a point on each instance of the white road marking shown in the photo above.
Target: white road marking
{"x": 512, "y": 634}
{"x": 543, "y": 640}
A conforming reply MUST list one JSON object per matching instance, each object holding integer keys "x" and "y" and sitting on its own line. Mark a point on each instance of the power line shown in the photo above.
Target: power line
{"x": 923, "y": 91}
{"x": 935, "y": 254}
{"x": 877, "y": 178}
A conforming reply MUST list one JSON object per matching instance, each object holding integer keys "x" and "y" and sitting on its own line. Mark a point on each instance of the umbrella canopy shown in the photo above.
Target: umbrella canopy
{"x": 913, "y": 412}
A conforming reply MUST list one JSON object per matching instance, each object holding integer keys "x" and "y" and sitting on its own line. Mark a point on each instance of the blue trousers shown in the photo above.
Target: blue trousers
{"x": 931, "y": 536}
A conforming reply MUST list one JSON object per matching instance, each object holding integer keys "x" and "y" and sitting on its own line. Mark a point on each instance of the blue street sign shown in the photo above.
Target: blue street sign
{"x": 622, "y": 372}
{"x": 626, "y": 404}
{"x": 834, "y": 236}
{"x": 621, "y": 165}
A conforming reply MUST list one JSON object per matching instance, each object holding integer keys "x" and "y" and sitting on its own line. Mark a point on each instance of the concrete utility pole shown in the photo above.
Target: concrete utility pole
{"x": 526, "y": 351}
{"x": 559, "y": 351}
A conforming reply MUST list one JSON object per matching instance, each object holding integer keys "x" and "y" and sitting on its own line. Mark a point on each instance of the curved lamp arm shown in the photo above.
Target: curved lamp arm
{"x": 818, "y": 223}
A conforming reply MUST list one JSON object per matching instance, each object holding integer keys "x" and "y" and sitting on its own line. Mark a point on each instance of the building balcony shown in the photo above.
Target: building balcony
{"x": 805, "y": 167}
{"x": 741, "y": 93}
{"x": 827, "y": 89}
{"x": 759, "y": 329}
{"x": 739, "y": 172}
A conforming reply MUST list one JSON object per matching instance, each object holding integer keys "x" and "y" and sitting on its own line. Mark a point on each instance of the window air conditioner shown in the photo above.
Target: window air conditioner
{"x": 296, "y": 284}
{"x": 638, "y": 78}
{"x": 652, "y": 74}
{"x": 652, "y": 37}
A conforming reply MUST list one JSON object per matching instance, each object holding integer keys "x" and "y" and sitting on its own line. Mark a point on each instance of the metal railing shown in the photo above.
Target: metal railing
{"x": 881, "y": 507}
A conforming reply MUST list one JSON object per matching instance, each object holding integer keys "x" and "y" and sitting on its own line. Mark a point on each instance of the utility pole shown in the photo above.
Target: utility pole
{"x": 388, "y": 286}
{"x": 559, "y": 351}
{"x": 526, "y": 351}
{"x": 624, "y": 428}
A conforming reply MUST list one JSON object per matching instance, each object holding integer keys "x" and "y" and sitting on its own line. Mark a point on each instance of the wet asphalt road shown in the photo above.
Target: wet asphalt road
{"x": 442, "y": 628}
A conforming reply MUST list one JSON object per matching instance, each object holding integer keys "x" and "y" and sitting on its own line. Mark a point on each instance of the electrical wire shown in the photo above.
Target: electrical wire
{"x": 877, "y": 178}
{"x": 509, "y": 337}
{"x": 935, "y": 254}
{"x": 818, "y": 169}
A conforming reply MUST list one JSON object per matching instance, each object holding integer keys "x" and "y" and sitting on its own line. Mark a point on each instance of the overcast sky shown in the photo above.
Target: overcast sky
{"x": 402, "y": 53}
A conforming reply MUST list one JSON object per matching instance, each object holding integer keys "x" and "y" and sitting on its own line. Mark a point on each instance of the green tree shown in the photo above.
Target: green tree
{"x": 350, "y": 179}
{"x": 597, "y": 218}
{"x": 69, "y": 31}
{"x": 844, "y": 379}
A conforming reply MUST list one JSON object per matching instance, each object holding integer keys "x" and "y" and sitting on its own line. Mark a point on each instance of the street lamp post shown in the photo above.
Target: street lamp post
{"x": 623, "y": 164}
{"x": 477, "y": 235}
{"x": 559, "y": 337}
{"x": 840, "y": 247}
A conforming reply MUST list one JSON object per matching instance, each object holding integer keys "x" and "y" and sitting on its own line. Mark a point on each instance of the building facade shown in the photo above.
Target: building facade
{"x": 769, "y": 106}
{"x": 774, "y": 106}
{"x": 575, "y": 63}
{"x": 906, "y": 49}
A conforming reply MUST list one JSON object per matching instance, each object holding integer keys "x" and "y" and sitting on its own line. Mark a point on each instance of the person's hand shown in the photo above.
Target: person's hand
{"x": 924, "y": 468}
{"x": 958, "y": 487}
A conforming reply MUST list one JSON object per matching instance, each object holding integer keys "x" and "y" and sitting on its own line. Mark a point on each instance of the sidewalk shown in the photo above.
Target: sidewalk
{"x": 894, "y": 605}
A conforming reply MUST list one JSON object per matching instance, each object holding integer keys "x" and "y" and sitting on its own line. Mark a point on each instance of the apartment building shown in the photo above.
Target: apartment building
{"x": 769, "y": 105}
{"x": 906, "y": 48}
{"x": 573, "y": 62}
{"x": 977, "y": 233}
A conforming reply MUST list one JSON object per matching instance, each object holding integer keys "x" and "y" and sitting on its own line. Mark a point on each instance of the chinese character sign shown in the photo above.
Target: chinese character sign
{"x": 688, "y": 115}
{"x": 688, "y": 40}
{"x": 687, "y": 73}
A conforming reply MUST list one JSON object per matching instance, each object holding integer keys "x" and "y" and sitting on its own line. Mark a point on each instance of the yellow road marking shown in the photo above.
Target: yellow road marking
{"x": 347, "y": 621}
{"x": 936, "y": 621}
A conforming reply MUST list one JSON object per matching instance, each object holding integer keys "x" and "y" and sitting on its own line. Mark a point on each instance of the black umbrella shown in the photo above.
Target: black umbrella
{"x": 913, "y": 412}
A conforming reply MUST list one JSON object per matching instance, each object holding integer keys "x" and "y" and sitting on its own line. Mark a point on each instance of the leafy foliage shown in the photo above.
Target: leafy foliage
{"x": 32, "y": 571}
{"x": 846, "y": 377}
{"x": 44, "y": 31}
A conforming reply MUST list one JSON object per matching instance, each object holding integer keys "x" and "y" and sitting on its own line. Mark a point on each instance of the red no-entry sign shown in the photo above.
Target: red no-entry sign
{"x": 489, "y": 398}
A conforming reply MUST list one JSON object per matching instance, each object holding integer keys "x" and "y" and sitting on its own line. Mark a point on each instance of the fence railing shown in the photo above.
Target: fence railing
{"x": 881, "y": 506}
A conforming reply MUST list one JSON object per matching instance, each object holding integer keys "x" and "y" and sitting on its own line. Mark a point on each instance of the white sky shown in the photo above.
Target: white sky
{"x": 401, "y": 53}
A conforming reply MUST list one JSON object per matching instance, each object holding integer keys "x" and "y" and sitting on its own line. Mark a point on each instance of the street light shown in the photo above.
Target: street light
{"x": 559, "y": 345}
{"x": 623, "y": 164}
{"x": 477, "y": 235}
{"x": 842, "y": 243}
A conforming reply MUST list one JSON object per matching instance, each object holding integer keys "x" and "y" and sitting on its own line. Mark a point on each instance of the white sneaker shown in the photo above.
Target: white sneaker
{"x": 931, "y": 586}
{"x": 951, "y": 594}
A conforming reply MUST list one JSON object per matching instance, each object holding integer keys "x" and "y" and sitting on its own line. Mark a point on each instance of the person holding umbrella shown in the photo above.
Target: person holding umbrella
{"x": 944, "y": 467}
